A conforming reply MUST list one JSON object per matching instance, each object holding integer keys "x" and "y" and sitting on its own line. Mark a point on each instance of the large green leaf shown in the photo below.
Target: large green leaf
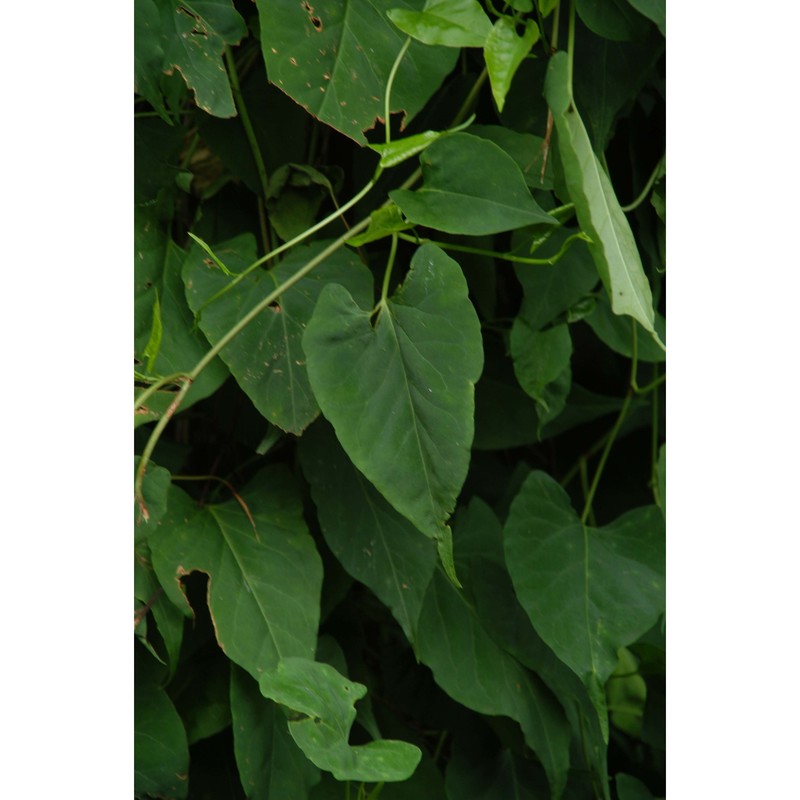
{"x": 613, "y": 246}
{"x": 505, "y": 50}
{"x": 160, "y": 750}
{"x": 525, "y": 148}
{"x": 612, "y": 19}
{"x": 400, "y": 395}
{"x": 271, "y": 766}
{"x": 471, "y": 187}
{"x": 267, "y": 358}
{"x": 265, "y": 575}
{"x": 322, "y": 705}
{"x": 195, "y": 38}
{"x": 148, "y": 54}
{"x": 655, "y": 10}
{"x": 469, "y": 665}
{"x": 588, "y": 591}
{"x": 335, "y": 59}
{"x": 374, "y": 543}
{"x": 451, "y": 23}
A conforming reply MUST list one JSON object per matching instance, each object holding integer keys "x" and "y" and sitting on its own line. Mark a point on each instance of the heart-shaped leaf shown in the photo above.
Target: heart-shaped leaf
{"x": 504, "y": 52}
{"x": 400, "y": 395}
{"x": 588, "y": 591}
{"x": 323, "y": 706}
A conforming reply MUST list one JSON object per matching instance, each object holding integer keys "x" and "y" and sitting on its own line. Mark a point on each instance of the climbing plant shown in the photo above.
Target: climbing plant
{"x": 399, "y": 474}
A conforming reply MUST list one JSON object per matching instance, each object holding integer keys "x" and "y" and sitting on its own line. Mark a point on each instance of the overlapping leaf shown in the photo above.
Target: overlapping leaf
{"x": 471, "y": 187}
{"x": 335, "y": 59}
{"x": 374, "y": 543}
{"x": 322, "y": 702}
{"x": 264, "y": 572}
{"x": 613, "y": 246}
{"x": 504, "y": 52}
{"x": 451, "y": 23}
{"x": 267, "y": 358}
{"x": 587, "y": 591}
{"x": 400, "y": 395}
{"x": 271, "y": 766}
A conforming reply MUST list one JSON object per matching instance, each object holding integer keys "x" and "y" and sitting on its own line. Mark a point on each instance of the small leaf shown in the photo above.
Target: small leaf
{"x": 504, "y": 52}
{"x": 451, "y": 23}
{"x": 588, "y": 591}
{"x": 155, "y": 488}
{"x": 613, "y": 246}
{"x": 384, "y": 221}
{"x": 617, "y": 333}
{"x": 655, "y": 10}
{"x": 153, "y": 345}
{"x": 323, "y": 702}
{"x": 471, "y": 187}
{"x": 542, "y": 366}
{"x": 630, "y": 788}
{"x": 400, "y": 150}
{"x": 400, "y": 395}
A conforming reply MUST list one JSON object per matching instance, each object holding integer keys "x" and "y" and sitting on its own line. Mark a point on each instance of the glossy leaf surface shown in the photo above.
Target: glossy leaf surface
{"x": 613, "y": 246}
{"x": 267, "y": 358}
{"x": 404, "y": 386}
{"x": 264, "y": 575}
{"x": 504, "y": 52}
{"x": 471, "y": 187}
{"x": 588, "y": 591}
{"x": 321, "y": 702}
{"x": 335, "y": 60}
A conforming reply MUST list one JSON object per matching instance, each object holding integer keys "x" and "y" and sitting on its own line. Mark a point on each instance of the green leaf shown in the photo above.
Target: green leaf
{"x": 542, "y": 366}
{"x": 546, "y": 6}
{"x": 661, "y": 479}
{"x": 194, "y": 40}
{"x": 322, "y": 702}
{"x": 451, "y": 23}
{"x": 294, "y": 196}
{"x": 202, "y": 696}
{"x": 155, "y": 486}
{"x": 505, "y": 775}
{"x": 613, "y": 246}
{"x": 550, "y": 290}
{"x": 617, "y": 333}
{"x": 471, "y": 187}
{"x": 400, "y": 150}
{"x": 267, "y": 358}
{"x": 476, "y": 672}
{"x": 525, "y": 148}
{"x": 504, "y": 52}
{"x": 335, "y": 61}
{"x": 271, "y": 766}
{"x": 148, "y": 55}
{"x": 160, "y": 749}
{"x": 265, "y": 575}
{"x": 384, "y": 221}
{"x": 630, "y": 788}
{"x": 400, "y": 395}
{"x": 157, "y": 268}
{"x": 153, "y": 345}
{"x": 626, "y": 694}
{"x": 655, "y": 10}
{"x": 374, "y": 543}
{"x": 612, "y": 19}
{"x": 588, "y": 591}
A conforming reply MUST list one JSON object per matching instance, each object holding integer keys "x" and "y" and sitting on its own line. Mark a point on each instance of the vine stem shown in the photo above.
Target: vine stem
{"x": 222, "y": 343}
{"x": 146, "y": 394}
{"x": 647, "y": 187}
{"x": 388, "y": 93}
{"x": 503, "y": 256}
{"x": 388, "y": 272}
{"x": 253, "y": 141}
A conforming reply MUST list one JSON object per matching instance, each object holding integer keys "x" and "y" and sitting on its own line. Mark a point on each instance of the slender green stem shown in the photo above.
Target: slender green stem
{"x": 571, "y": 42}
{"x": 654, "y": 438}
{"x": 647, "y": 187}
{"x": 503, "y": 256}
{"x": 388, "y": 93}
{"x": 471, "y": 98}
{"x": 376, "y": 791}
{"x": 654, "y": 384}
{"x": 388, "y": 272}
{"x": 439, "y": 746}
{"x": 297, "y": 239}
{"x": 585, "y": 485}
{"x": 251, "y": 138}
{"x": 556, "y": 20}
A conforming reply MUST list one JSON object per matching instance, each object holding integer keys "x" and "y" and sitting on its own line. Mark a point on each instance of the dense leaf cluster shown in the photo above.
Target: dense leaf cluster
{"x": 399, "y": 414}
